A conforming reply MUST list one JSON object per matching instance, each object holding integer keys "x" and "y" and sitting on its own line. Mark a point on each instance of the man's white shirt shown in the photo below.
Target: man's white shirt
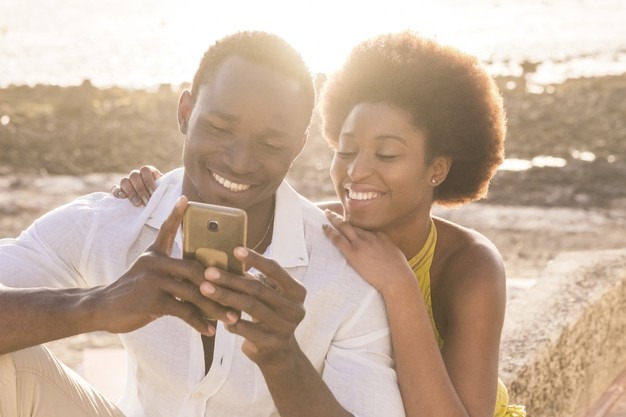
{"x": 93, "y": 240}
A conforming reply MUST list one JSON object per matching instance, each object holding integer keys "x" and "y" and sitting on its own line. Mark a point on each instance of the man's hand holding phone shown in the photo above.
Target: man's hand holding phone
{"x": 157, "y": 285}
{"x": 275, "y": 312}
{"x": 214, "y": 235}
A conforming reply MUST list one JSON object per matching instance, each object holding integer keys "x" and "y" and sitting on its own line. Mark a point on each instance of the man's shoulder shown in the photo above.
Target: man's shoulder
{"x": 322, "y": 248}
{"x": 84, "y": 207}
{"x": 87, "y": 214}
{"x": 101, "y": 210}
{"x": 310, "y": 212}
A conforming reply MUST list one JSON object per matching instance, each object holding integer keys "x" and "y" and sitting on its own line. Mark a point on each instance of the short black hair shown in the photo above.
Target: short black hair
{"x": 259, "y": 47}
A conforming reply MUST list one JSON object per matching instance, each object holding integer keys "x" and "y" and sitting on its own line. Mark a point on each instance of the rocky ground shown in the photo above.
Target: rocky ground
{"x": 57, "y": 143}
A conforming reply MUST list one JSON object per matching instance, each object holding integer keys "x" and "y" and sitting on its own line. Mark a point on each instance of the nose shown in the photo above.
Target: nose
{"x": 240, "y": 156}
{"x": 360, "y": 167}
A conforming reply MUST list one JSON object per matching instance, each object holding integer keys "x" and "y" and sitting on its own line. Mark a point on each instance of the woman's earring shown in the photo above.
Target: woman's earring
{"x": 433, "y": 181}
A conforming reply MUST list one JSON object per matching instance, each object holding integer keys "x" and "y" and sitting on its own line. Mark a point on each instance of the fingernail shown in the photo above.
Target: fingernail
{"x": 180, "y": 201}
{"x": 206, "y": 288}
{"x": 119, "y": 193}
{"x": 210, "y": 331}
{"x": 211, "y": 273}
{"x": 232, "y": 317}
{"x": 151, "y": 190}
{"x": 145, "y": 200}
{"x": 241, "y": 251}
{"x": 135, "y": 201}
{"x": 330, "y": 213}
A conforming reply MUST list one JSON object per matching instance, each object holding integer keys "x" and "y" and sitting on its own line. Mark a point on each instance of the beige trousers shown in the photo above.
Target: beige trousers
{"x": 34, "y": 383}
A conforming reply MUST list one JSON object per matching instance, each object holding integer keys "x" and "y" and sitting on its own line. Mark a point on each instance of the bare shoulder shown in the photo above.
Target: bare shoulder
{"x": 466, "y": 262}
{"x": 468, "y": 280}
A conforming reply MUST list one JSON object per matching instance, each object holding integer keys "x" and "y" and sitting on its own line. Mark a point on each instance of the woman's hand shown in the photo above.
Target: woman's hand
{"x": 138, "y": 186}
{"x": 372, "y": 255}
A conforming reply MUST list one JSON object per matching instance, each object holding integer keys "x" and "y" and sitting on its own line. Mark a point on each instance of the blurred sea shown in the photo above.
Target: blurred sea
{"x": 142, "y": 43}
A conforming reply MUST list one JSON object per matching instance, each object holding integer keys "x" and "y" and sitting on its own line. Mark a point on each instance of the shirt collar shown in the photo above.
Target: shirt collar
{"x": 169, "y": 188}
{"x": 289, "y": 247}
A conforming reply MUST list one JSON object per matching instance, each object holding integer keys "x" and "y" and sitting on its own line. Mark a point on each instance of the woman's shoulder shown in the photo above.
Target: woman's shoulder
{"x": 465, "y": 257}
{"x": 468, "y": 278}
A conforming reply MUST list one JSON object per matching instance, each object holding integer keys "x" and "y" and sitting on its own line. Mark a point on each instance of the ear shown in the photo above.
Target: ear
{"x": 438, "y": 170}
{"x": 185, "y": 107}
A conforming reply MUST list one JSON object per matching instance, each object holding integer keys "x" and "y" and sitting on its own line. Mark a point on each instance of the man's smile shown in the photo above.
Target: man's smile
{"x": 229, "y": 185}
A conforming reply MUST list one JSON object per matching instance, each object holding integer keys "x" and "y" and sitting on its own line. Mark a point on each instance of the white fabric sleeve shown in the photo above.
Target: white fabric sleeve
{"x": 359, "y": 367}
{"x": 49, "y": 252}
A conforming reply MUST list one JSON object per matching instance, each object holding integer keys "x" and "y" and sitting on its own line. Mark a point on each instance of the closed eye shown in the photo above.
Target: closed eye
{"x": 386, "y": 157}
{"x": 271, "y": 145}
{"x": 345, "y": 155}
{"x": 218, "y": 129}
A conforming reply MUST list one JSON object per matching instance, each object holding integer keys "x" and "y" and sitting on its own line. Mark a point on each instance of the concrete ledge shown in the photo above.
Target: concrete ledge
{"x": 564, "y": 339}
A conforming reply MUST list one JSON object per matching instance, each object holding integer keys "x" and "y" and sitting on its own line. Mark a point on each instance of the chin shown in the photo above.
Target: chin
{"x": 362, "y": 222}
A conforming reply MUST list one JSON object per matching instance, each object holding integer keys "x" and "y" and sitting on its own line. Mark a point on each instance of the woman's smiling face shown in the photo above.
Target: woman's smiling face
{"x": 379, "y": 169}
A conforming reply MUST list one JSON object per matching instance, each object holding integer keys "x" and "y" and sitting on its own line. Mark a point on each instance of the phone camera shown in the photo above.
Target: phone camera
{"x": 213, "y": 226}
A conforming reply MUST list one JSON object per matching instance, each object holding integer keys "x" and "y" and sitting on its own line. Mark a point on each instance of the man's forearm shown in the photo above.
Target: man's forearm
{"x": 299, "y": 390}
{"x": 34, "y": 316}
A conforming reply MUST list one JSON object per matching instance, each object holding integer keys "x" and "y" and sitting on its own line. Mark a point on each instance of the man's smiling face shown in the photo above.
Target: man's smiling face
{"x": 243, "y": 131}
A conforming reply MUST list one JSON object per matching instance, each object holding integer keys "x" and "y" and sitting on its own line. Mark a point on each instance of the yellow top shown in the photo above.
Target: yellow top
{"x": 420, "y": 264}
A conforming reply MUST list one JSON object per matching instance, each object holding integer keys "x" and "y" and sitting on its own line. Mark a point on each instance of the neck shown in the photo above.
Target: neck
{"x": 261, "y": 225}
{"x": 260, "y": 218}
{"x": 410, "y": 234}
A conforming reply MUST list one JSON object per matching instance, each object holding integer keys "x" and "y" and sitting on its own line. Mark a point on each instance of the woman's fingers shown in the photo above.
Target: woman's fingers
{"x": 148, "y": 175}
{"x": 138, "y": 186}
{"x": 342, "y": 226}
{"x": 128, "y": 189}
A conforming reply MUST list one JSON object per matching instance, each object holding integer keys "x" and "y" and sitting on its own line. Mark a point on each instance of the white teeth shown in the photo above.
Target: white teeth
{"x": 232, "y": 186}
{"x": 354, "y": 195}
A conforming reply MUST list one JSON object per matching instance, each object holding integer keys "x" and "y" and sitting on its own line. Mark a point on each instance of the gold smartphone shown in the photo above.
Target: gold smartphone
{"x": 211, "y": 232}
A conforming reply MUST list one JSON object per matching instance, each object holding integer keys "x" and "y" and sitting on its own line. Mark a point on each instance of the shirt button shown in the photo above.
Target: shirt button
{"x": 197, "y": 396}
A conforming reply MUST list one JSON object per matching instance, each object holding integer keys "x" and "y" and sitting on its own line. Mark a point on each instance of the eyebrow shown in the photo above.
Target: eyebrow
{"x": 229, "y": 118}
{"x": 394, "y": 137}
{"x": 224, "y": 116}
{"x": 378, "y": 138}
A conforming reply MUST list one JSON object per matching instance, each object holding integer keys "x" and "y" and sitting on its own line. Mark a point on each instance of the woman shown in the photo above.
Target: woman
{"x": 414, "y": 123}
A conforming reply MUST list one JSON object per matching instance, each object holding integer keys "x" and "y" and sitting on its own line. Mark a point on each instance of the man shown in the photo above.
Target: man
{"x": 116, "y": 268}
